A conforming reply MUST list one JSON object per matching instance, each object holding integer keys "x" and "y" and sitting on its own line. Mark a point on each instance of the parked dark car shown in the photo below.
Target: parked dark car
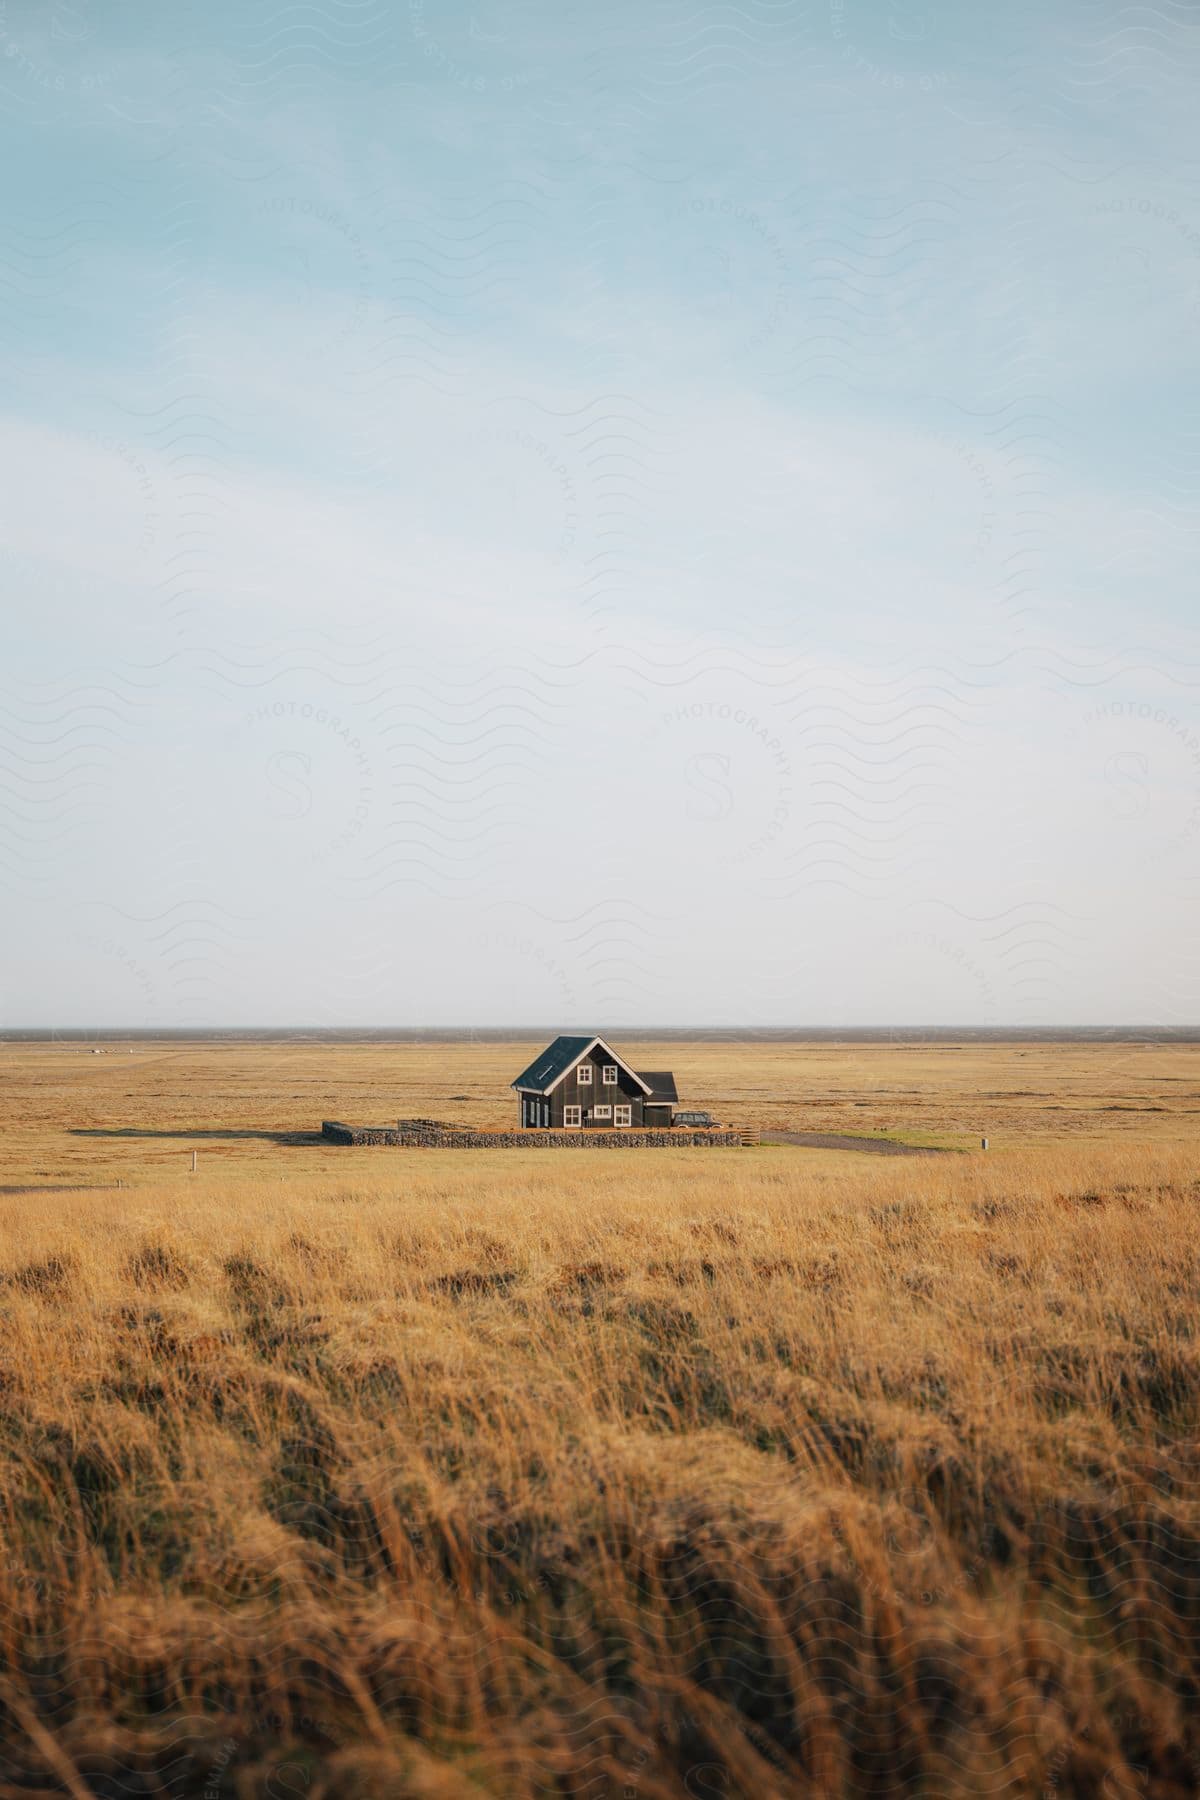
{"x": 696, "y": 1120}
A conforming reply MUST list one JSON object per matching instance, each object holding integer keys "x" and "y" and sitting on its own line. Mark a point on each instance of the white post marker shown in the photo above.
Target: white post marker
{"x": 983, "y": 1141}
{"x": 193, "y": 1162}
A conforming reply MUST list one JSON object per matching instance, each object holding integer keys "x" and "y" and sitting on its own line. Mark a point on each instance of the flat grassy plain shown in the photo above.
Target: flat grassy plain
{"x": 139, "y": 1109}
{"x": 335, "y": 1472}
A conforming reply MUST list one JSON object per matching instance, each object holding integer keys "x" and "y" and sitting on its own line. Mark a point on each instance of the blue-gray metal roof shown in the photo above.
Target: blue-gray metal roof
{"x": 662, "y": 1084}
{"x": 553, "y": 1061}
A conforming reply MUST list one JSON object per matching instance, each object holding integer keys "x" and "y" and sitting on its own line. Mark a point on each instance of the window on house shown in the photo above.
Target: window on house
{"x": 585, "y": 1074}
{"x": 622, "y": 1115}
{"x": 571, "y": 1115}
{"x": 602, "y": 1112}
{"x": 610, "y": 1074}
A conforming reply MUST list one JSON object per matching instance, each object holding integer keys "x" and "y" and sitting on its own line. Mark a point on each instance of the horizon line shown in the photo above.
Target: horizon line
{"x": 52, "y": 1033}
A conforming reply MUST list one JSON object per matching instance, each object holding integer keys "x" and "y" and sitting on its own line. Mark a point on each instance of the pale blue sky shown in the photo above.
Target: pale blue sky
{"x": 671, "y": 515}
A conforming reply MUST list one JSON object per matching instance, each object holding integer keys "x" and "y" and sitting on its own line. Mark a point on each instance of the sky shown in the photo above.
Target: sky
{"x": 663, "y": 514}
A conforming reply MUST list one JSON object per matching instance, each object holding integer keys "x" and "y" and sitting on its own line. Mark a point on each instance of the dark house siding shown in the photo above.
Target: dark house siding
{"x": 587, "y": 1095}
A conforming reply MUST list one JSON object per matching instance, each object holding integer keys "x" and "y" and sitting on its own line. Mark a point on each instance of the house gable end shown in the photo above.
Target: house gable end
{"x": 599, "y": 1044}
{"x": 562, "y": 1056}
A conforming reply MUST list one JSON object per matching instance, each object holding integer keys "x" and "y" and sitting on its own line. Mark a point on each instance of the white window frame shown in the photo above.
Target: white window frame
{"x": 585, "y": 1074}
{"x": 602, "y": 1112}
{"x": 610, "y": 1075}
{"x": 569, "y": 1123}
{"x": 622, "y": 1115}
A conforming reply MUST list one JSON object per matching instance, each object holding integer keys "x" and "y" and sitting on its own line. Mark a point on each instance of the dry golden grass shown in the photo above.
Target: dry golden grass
{"x": 706, "y": 1473}
{"x": 66, "y": 1115}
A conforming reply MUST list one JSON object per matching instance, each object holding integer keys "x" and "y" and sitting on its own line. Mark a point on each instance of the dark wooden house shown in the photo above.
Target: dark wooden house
{"x": 578, "y": 1083}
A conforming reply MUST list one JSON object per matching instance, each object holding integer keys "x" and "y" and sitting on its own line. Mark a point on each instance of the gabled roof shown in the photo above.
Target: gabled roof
{"x": 553, "y": 1063}
{"x": 559, "y": 1058}
{"x": 662, "y": 1084}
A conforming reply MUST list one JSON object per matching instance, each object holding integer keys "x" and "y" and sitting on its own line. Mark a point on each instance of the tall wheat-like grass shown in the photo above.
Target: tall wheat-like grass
{"x": 705, "y": 1475}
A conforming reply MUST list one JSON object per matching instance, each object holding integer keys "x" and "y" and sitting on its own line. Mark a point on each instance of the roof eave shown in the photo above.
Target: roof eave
{"x": 574, "y": 1064}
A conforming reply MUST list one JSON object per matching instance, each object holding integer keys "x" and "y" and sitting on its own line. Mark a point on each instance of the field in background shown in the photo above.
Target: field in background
{"x": 664, "y": 1476}
{"x": 141, "y": 1108}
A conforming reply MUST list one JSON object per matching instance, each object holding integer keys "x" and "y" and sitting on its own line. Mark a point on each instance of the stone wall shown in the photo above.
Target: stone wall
{"x": 463, "y": 1138}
